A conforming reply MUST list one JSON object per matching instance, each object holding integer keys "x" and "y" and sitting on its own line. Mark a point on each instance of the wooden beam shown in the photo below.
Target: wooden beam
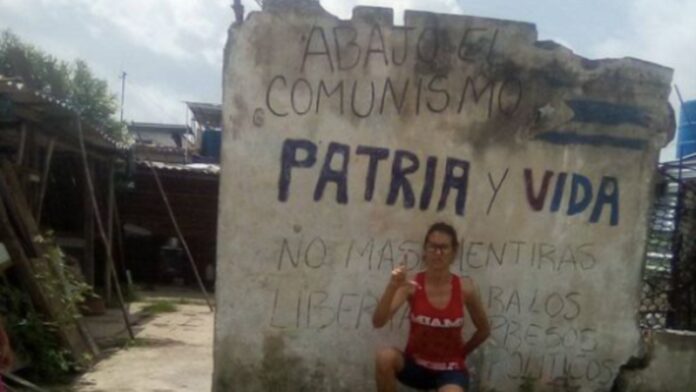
{"x": 70, "y": 334}
{"x": 22, "y": 143}
{"x": 88, "y": 227}
{"x": 100, "y": 227}
{"x": 181, "y": 238}
{"x": 11, "y": 190}
{"x": 24, "y": 383}
{"x": 119, "y": 237}
{"x": 110, "y": 230}
{"x": 44, "y": 179}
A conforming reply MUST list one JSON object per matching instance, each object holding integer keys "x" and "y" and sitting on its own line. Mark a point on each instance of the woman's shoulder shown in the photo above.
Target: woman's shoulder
{"x": 468, "y": 285}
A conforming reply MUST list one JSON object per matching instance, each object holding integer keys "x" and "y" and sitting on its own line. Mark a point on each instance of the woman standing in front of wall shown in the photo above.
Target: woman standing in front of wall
{"x": 435, "y": 354}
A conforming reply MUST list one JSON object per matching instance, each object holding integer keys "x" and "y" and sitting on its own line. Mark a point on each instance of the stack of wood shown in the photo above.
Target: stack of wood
{"x": 42, "y": 274}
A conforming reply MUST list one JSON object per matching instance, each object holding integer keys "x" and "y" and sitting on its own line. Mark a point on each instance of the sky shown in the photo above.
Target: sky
{"x": 172, "y": 50}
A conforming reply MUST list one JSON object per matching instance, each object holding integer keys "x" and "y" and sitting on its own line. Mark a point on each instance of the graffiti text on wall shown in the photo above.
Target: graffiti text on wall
{"x": 408, "y": 169}
{"x": 541, "y": 332}
{"x": 480, "y": 95}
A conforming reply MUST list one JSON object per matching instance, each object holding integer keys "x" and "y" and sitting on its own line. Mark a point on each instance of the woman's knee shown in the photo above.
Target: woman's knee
{"x": 451, "y": 388}
{"x": 389, "y": 359}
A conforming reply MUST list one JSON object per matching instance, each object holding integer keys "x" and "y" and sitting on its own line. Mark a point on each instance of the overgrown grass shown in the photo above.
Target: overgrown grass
{"x": 136, "y": 342}
{"x": 131, "y": 293}
{"x": 161, "y": 306}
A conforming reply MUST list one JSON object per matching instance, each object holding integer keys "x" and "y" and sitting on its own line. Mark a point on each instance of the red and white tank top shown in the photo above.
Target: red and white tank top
{"x": 435, "y": 335}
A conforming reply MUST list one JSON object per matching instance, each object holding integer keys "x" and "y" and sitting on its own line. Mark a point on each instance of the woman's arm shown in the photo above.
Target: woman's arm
{"x": 472, "y": 301}
{"x": 395, "y": 294}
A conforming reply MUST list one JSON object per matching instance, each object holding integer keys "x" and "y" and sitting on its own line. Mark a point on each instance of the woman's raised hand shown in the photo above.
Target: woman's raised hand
{"x": 399, "y": 277}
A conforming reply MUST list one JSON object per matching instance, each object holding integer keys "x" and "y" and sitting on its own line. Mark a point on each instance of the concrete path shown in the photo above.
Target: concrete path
{"x": 172, "y": 352}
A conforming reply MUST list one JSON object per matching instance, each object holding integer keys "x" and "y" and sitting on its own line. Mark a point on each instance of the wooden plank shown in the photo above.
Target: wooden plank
{"x": 44, "y": 179}
{"x": 192, "y": 262}
{"x": 22, "y": 143}
{"x": 18, "y": 197}
{"x": 100, "y": 227}
{"x": 16, "y": 207}
{"x": 50, "y": 306}
{"x": 110, "y": 234}
{"x": 24, "y": 383}
{"x": 32, "y": 248}
{"x": 88, "y": 232}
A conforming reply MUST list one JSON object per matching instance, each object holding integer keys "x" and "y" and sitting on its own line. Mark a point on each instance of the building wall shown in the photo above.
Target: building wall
{"x": 194, "y": 201}
{"x": 344, "y": 140}
{"x": 157, "y": 138}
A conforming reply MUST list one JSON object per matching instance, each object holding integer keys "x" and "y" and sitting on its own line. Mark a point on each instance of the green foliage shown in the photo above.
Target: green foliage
{"x": 71, "y": 82}
{"x": 34, "y": 338}
{"x": 33, "y": 335}
{"x": 59, "y": 282}
{"x": 163, "y": 306}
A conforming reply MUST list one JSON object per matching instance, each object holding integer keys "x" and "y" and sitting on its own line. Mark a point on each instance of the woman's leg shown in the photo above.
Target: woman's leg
{"x": 451, "y": 388}
{"x": 389, "y": 362}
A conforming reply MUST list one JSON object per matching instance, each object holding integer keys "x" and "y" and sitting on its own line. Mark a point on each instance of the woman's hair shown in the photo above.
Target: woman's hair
{"x": 443, "y": 228}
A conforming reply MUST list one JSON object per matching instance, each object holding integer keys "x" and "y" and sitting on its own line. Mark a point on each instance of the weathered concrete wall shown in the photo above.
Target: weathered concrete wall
{"x": 345, "y": 139}
{"x": 668, "y": 365}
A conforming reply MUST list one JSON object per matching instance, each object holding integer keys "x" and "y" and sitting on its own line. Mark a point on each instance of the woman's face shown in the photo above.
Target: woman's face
{"x": 439, "y": 251}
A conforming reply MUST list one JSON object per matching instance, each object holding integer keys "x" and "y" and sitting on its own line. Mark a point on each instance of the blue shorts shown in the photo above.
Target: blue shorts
{"x": 419, "y": 377}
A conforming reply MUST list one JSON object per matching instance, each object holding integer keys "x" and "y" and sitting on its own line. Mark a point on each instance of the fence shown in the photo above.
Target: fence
{"x": 668, "y": 298}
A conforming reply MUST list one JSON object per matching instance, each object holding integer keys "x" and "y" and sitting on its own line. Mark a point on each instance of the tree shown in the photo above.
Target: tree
{"x": 70, "y": 82}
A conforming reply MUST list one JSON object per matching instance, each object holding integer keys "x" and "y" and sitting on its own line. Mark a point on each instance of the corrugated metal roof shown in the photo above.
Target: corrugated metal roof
{"x": 203, "y": 168}
{"x": 157, "y": 127}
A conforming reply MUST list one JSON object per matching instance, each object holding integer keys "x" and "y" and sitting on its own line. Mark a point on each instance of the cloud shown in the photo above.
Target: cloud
{"x": 165, "y": 27}
{"x": 175, "y": 46}
{"x": 663, "y": 33}
{"x": 155, "y": 100}
{"x": 171, "y": 49}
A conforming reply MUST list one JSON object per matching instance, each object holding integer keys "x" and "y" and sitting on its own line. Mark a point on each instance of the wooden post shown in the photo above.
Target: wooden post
{"x": 100, "y": 227}
{"x": 110, "y": 230}
{"x": 24, "y": 383}
{"x": 119, "y": 236}
{"x": 22, "y": 143}
{"x": 181, "y": 236}
{"x": 88, "y": 225}
{"x": 44, "y": 179}
{"x": 18, "y": 248}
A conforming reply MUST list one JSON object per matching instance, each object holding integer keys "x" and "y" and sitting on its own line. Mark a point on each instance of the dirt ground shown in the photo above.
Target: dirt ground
{"x": 171, "y": 352}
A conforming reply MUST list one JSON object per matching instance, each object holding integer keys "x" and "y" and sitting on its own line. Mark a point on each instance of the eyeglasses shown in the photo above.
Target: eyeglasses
{"x": 433, "y": 248}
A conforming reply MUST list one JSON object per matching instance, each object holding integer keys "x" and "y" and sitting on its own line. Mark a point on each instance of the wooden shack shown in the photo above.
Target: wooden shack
{"x": 50, "y": 208}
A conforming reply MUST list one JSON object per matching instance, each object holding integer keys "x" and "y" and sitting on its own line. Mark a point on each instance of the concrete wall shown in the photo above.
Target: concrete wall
{"x": 667, "y": 366}
{"x": 344, "y": 139}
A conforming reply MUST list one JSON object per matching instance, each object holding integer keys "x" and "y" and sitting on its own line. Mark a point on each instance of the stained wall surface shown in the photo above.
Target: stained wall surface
{"x": 667, "y": 366}
{"x": 345, "y": 139}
